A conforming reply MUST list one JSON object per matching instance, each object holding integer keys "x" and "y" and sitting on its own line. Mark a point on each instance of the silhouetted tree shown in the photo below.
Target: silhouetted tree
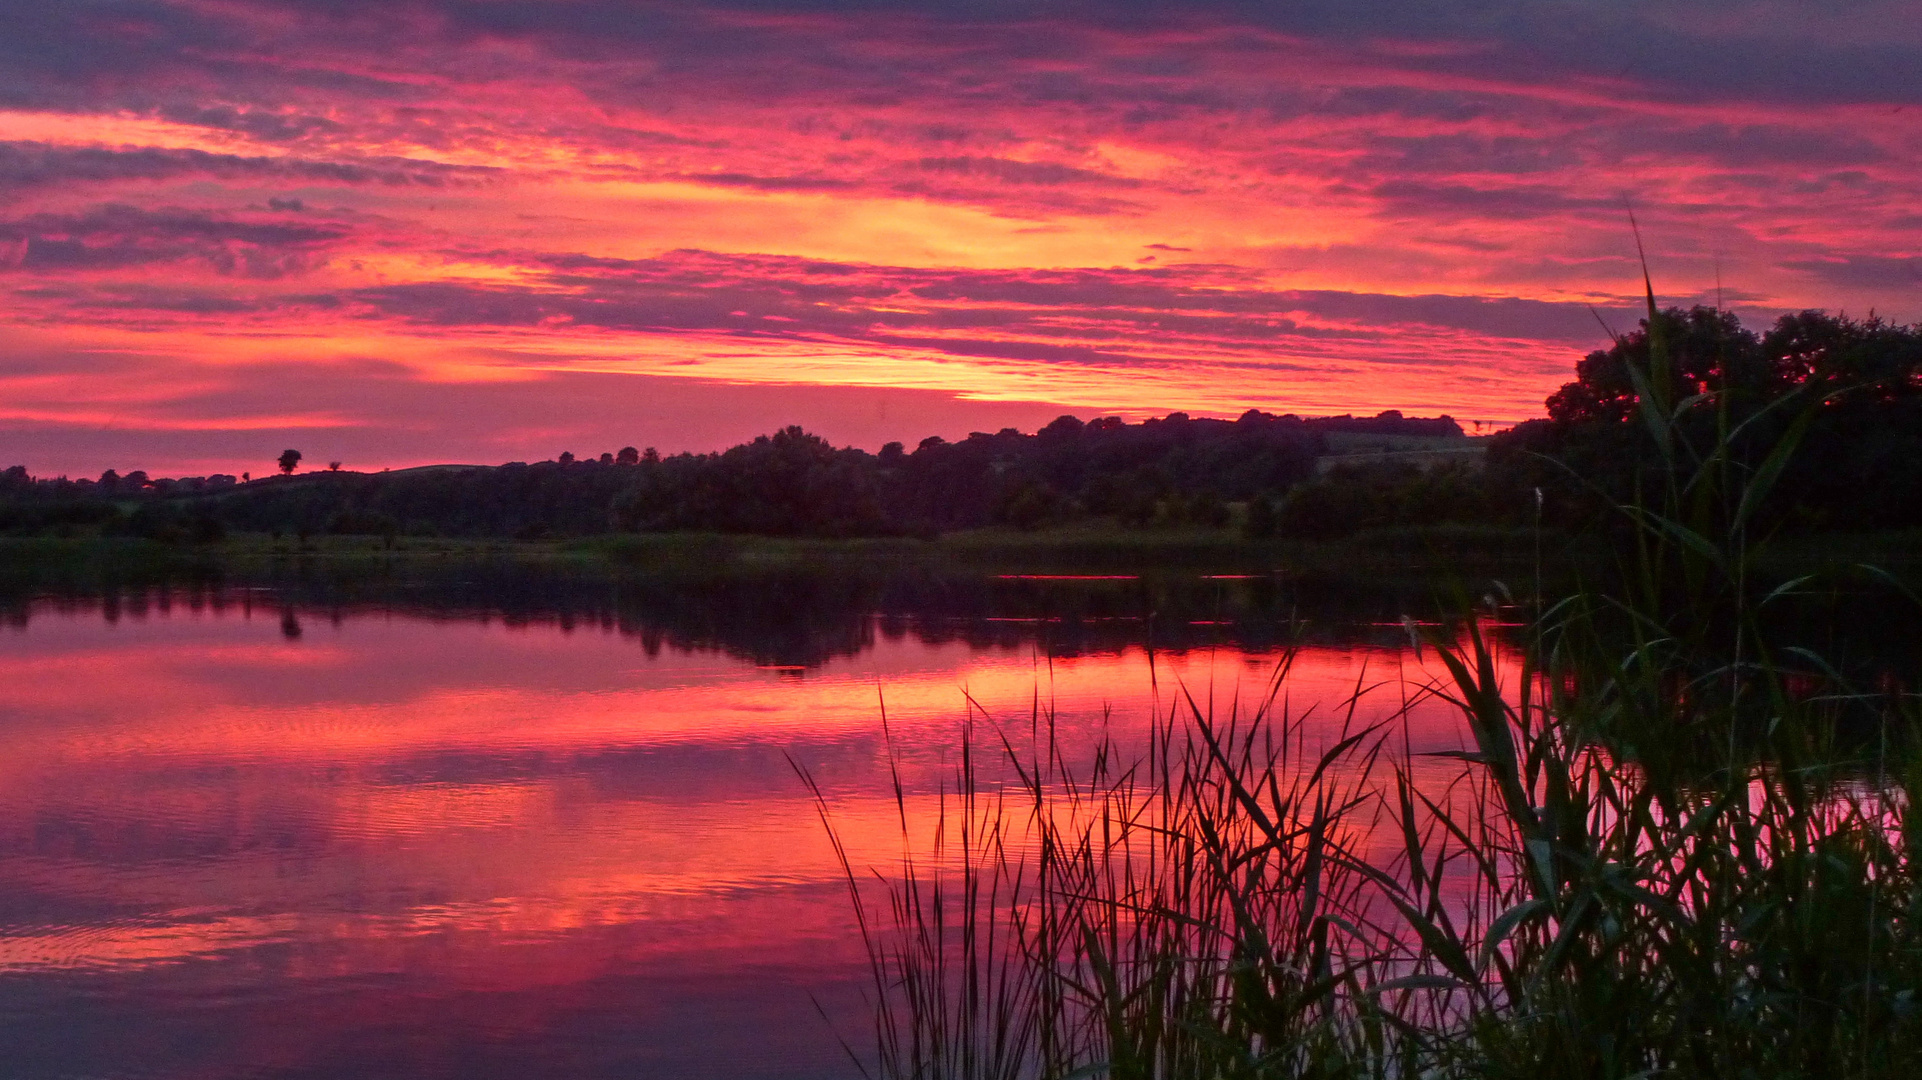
{"x": 1706, "y": 351}
{"x": 627, "y": 456}
{"x": 1855, "y": 384}
{"x": 289, "y": 461}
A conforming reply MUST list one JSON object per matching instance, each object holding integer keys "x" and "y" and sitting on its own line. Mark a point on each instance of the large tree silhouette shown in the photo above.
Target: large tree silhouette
{"x": 289, "y": 461}
{"x": 1849, "y": 391}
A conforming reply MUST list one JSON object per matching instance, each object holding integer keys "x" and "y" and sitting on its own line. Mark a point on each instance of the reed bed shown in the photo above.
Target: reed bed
{"x": 1670, "y": 848}
{"x": 1249, "y": 896}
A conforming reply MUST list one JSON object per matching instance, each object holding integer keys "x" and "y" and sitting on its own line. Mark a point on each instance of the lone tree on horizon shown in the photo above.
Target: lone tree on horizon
{"x": 289, "y": 461}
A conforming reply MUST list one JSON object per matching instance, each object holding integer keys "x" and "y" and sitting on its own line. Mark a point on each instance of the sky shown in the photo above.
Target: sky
{"x": 394, "y": 232}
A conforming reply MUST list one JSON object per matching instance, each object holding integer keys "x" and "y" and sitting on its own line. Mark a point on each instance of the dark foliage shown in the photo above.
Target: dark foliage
{"x": 1848, "y": 391}
{"x": 789, "y": 483}
{"x": 1352, "y": 498}
{"x": 1172, "y": 471}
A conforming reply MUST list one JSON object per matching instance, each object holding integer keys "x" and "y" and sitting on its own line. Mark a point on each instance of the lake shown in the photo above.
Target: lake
{"x": 254, "y": 832}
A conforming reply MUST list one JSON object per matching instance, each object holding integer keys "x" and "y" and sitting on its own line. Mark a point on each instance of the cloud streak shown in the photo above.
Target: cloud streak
{"x": 28, "y": 166}
{"x": 1309, "y": 207}
{"x": 116, "y": 237}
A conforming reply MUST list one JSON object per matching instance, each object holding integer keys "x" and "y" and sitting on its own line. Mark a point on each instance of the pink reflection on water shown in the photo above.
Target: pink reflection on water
{"x": 426, "y": 833}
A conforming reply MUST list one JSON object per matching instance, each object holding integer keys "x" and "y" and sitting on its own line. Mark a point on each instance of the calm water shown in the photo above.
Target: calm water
{"x": 248, "y": 836}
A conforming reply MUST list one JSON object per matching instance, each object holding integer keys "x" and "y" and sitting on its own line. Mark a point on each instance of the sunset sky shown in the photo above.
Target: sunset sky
{"x": 408, "y": 231}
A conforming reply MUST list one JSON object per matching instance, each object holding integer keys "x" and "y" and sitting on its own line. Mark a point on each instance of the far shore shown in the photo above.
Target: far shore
{"x": 1466, "y": 554}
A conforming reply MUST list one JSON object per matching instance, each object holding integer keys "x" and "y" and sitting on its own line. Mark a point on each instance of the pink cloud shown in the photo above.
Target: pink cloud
{"x": 1325, "y": 208}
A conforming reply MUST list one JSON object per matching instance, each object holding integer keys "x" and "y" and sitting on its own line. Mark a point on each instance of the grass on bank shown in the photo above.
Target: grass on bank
{"x": 1064, "y": 549}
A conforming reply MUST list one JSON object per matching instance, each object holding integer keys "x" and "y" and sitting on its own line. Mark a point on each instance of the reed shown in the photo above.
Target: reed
{"x": 1672, "y": 849}
{"x": 1224, "y": 905}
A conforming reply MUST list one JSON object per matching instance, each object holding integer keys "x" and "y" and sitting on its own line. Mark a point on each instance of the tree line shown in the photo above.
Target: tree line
{"x": 1170, "y": 471}
{"x": 1846, "y": 391}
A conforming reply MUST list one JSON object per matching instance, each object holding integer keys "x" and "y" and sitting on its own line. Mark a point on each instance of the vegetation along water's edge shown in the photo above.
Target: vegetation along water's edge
{"x": 1675, "y": 840}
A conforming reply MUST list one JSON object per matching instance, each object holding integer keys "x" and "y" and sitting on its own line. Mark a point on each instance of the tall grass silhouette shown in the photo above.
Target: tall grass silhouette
{"x": 1670, "y": 850}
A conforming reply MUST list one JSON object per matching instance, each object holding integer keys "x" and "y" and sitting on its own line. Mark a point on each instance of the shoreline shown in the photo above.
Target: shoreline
{"x": 1432, "y": 557}
{"x": 986, "y": 550}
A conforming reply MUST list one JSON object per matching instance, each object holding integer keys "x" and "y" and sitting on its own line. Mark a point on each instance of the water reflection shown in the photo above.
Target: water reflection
{"x": 256, "y": 832}
{"x": 799, "y": 617}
